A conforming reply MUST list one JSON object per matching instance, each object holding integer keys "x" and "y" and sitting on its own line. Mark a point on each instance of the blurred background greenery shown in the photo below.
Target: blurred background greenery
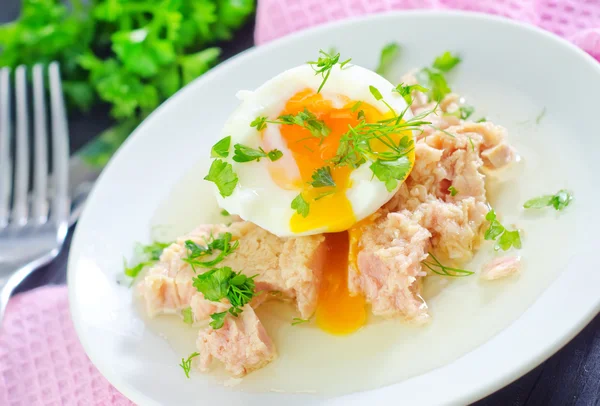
{"x": 121, "y": 59}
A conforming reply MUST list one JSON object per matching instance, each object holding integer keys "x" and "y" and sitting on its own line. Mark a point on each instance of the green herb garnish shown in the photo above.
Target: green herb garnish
{"x": 305, "y": 119}
{"x": 243, "y": 153}
{"x": 218, "y": 319}
{"x": 187, "y": 364}
{"x": 298, "y": 320}
{"x": 223, "y": 283}
{"x": 324, "y": 64}
{"x": 482, "y": 120}
{"x": 559, "y": 201}
{"x": 221, "y": 148}
{"x": 221, "y": 174}
{"x": 322, "y": 177}
{"x": 149, "y": 255}
{"x": 406, "y": 91}
{"x": 538, "y": 119}
{"x": 188, "y": 315}
{"x": 195, "y": 251}
{"x": 438, "y": 268}
{"x": 391, "y": 172}
{"x": 300, "y": 205}
{"x": 446, "y": 61}
{"x": 389, "y": 53}
{"x": 225, "y": 213}
{"x": 452, "y": 190}
{"x": 463, "y": 112}
{"x": 497, "y": 232}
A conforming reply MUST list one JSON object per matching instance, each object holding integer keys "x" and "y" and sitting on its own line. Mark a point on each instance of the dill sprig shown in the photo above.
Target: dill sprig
{"x": 438, "y": 268}
{"x": 186, "y": 364}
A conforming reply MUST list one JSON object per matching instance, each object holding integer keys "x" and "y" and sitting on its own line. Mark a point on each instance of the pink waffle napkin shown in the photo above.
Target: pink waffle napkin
{"x": 41, "y": 359}
{"x": 576, "y": 20}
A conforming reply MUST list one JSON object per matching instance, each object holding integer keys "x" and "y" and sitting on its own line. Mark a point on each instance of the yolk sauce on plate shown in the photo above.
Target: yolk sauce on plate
{"x": 337, "y": 311}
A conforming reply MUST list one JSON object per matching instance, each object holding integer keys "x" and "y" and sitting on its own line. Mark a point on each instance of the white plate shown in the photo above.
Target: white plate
{"x": 509, "y": 71}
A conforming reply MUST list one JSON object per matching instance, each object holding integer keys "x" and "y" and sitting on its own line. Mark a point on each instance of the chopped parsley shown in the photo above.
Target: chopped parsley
{"x": 298, "y": 320}
{"x": 224, "y": 283}
{"x": 322, "y": 177}
{"x": 222, "y": 243}
{"x": 452, "y": 190}
{"x": 221, "y": 174}
{"x": 391, "y": 172}
{"x": 243, "y": 153}
{"x": 324, "y": 64}
{"x": 389, "y": 53}
{"x": 446, "y": 61}
{"x": 433, "y": 77}
{"x": 221, "y": 148}
{"x": 482, "y": 120}
{"x": 406, "y": 91}
{"x": 186, "y": 365}
{"x": 188, "y": 315}
{"x": 147, "y": 255}
{"x": 559, "y": 201}
{"x": 300, "y": 205}
{"x": 305, "y": 119}
{"x": 504, "y": 238}
{"x": 438, "y": 268}
{"x": 225, "y": 213}
{"x": 218, "y": 319}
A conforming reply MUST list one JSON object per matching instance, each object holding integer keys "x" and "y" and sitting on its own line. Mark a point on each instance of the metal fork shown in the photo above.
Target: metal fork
{"x": 33, "y": 228}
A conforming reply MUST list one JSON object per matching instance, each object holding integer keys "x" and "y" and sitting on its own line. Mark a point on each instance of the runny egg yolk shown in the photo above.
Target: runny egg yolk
{"x": 333, "y": 211}
{"x": 337, "y": 311}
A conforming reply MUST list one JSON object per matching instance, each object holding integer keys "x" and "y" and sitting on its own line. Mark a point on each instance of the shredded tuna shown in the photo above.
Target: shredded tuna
{"x": 389, "y": 263}
{"x": 242, "y": 344}
{"x": 501, "y": 267}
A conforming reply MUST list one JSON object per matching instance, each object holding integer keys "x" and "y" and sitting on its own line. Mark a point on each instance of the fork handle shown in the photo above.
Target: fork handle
{"x": 20, "y": 272}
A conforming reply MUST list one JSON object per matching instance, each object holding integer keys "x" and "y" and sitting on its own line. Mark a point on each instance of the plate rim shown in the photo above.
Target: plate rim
{"x": 484, "y": 388}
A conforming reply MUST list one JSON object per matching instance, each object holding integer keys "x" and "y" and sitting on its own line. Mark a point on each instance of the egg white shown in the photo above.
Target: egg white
{"x": 257, "y": 198}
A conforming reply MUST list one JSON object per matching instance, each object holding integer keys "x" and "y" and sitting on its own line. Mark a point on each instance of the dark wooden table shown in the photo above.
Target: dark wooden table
{"x": 570, "y": 377}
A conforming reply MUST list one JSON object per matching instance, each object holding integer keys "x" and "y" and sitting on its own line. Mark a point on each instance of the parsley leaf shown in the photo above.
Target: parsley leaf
{"x": 221, "y": 283}
{"x": 243, "y": 153}
{"x": 305, "y": 119}
{"x": 222, "y": 174}
{"x": 506, "y": 238}
{"x": 559, "y": 201}
{"x": 452, "y": 190}
{"x": 446, "y": 61}
{"x": 186, "y": 365}
{"x": 481, "y": 120}
{"x": 222, "y": 243}
{"x": 463, "y": 112}
{"x": 147, "y": 255}
{"x": 225, "y": 213}
{"x": 218, "y": 319}
{"x": 188, "y": 315}
{"x": 214, "y": 284}
{"x": 406, "y": 90}
{"x": 221, "y": 148}
{"x": 300, "y": 205}
{"x": 322, "y": 177}
{"x": 259, "y": 122}
{"x": 436, "y": 82}
{"x": 324, "y": 64}
{"x": 388, "y": 54}
{"x": 375, "y": 92}
{"x": 391, "y": 172}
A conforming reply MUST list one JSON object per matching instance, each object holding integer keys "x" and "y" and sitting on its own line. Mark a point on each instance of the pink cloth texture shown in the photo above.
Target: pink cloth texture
{"x": 576, "y": 20}
{"x": 41, "y": 359}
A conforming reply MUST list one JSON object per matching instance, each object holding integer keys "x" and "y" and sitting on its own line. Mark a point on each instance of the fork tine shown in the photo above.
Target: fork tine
{"x": 40, "y": 171}
{"x": 19, "y": 214}
{"x": 60, "y": 147}
{"x": 5, "y": 161}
